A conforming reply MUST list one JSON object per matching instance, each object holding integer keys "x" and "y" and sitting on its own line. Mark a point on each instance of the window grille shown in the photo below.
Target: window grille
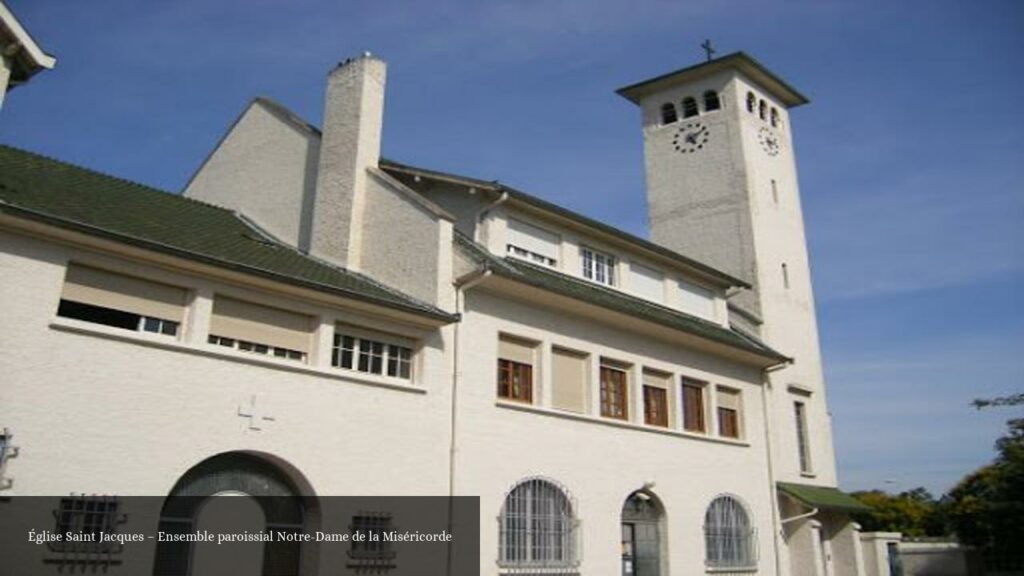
{"x": 751, "y": 102}
{"x": 6, "y": 452}
{"x": 728, "y": 536}
{"x": 711, "y": 101}
{"x": 537, "y": 530}
{"x": 762, "y": 109}
{"x": 775, "y": 116}
{"x": 668, "y": 113}
{"x": 87, "y": 517}
{"x": 372, "y": 553}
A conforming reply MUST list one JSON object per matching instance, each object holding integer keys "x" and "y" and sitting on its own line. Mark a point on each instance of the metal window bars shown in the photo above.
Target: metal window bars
{"x": 87, "y": 518}
{"x": 729, "y": 539}
{"x": 537, "y": 530}
{"x": 7, "y": 451}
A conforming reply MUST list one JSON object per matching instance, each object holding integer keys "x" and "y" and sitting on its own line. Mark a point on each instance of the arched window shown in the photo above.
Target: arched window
{"x": 668, "y": 113}
{"x": 775, "y": 116}
{"x": 689, "y": 107}
{"x": 751, "y": 102}
{"x": 728, "y": 537}
{"x": 537, "y": 527}
{"x": 762, "y": 110}
{"x": 711, "y": 101}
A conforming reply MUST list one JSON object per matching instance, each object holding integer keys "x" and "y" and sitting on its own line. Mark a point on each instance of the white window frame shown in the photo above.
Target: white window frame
{"x": 395, "y": 349}
{"x": 537, "y": 236}
{"x": 730, "y": 540}
{"x": 598, "y": 266}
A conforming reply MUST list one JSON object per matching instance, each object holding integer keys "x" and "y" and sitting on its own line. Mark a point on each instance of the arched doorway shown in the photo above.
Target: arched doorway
{"x": 281, "y": 508}
{"x": 642, "y": 535}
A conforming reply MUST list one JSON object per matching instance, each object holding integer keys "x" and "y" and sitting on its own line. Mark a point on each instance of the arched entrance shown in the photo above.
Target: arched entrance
{"x": 642, "y": 535}
{"x": 263, "y": 496}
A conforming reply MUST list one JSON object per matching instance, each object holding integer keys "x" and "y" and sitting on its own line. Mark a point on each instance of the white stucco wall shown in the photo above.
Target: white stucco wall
{"x": 405, "y": 243}
{"x": 599, "y": 461}
{"x": 108, "y": 411}
{"x": 264, "y": 168}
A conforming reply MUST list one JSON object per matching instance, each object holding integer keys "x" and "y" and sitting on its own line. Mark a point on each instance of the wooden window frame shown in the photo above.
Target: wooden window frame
{"x": 655, "y": 408}
{"x": 507, "y": 370}
{"x": 614, "y": 392}
{"x": 701, "y": 425}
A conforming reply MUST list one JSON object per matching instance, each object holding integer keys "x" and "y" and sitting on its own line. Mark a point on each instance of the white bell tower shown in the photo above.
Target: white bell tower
{"x": 722, "y": 188}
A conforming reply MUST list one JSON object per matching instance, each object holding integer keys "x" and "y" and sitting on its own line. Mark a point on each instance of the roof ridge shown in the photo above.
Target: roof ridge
{"x": 139, "y": 185}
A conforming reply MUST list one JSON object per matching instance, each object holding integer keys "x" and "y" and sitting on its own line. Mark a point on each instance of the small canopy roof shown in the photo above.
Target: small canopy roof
{"x": 823, "y": 497}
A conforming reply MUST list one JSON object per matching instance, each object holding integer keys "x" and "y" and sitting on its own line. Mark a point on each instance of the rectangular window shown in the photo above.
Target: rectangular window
{"x": 693, "y": 406}
{"x": 803, "y": 445}
{"x": 614, "y": 394}
{"x": 728, "y": 413}
{"x": 515, "y": 368}
{"x": 531, "y": 243}
{"x": 658, "y": 401}
{"x": 256, "y": 348}
{"x": 371, "y": 552}
{"x": 260, "y": 329}
{"x": 569, "y": 376}
{"x": 372, "y": 355}
{"x": 696, "y": 300}
{"x": 88, "y": 516}
{"x": 646, "y": 282}
{"x": 598, "y": 266}
{"x": 102, "y": 297}
{"x": 655, "y": 406}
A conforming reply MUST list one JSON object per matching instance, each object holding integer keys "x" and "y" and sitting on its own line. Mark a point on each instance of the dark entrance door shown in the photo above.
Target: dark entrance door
{"x": 641, "y": 538}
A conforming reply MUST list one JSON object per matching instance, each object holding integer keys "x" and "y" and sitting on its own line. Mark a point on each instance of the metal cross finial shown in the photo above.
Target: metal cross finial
{"x": 707, "y": 48}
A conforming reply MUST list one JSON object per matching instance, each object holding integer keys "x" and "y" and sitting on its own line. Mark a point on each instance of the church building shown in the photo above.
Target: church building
{"x": 308, "y": 319}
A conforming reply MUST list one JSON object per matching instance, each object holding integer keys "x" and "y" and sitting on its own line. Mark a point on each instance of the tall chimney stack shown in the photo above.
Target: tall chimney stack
{"x": 350, "y": 144}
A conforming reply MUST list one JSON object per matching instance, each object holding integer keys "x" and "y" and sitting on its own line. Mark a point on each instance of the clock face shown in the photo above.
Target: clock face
{"x": 769, "y": 141}
{"x": 691, "y": 137}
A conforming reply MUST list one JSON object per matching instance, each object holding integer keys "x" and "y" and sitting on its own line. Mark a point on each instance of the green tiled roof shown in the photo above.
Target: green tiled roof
{"x": 572, "y": 287}
{"x": 39, "y": 188}
{"x": 823, "y": 497}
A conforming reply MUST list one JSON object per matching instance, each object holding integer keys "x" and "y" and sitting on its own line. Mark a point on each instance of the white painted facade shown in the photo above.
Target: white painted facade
{"x": 150, "y": 407}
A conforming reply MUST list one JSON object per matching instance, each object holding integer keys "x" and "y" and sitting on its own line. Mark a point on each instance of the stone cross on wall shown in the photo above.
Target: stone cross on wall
{"x": 255, "y": 415}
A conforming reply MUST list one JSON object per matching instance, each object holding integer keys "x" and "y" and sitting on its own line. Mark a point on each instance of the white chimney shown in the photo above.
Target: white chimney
{"x": 352, "y": 121}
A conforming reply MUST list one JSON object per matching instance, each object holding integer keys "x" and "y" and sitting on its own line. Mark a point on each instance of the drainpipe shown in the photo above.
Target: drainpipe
{"x": 460, "y": 288}
{"x": 776, "y": 534}
{"x": 483, "y": 212}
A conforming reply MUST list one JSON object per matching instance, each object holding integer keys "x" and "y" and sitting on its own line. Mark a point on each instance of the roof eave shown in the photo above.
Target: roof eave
{"x": 35, "y": 54}
{"x": 49, "y": 219}
{"x": 740, "y": 61}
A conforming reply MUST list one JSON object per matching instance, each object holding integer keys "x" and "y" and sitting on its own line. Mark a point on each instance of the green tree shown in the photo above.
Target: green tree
{"x": 986, "y": 508}
{"x": 914, "y": 513}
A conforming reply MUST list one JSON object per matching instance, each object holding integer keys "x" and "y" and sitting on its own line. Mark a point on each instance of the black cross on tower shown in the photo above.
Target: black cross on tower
{"x": 707, "y": 48}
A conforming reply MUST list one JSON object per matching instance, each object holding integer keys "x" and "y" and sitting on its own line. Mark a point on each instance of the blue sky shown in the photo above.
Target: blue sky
{"x": 911, "y": 153}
